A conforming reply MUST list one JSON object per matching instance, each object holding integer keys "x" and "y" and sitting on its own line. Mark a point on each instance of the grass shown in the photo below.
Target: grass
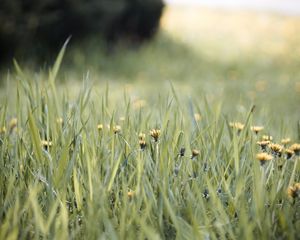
{"x": 64, "y": 175}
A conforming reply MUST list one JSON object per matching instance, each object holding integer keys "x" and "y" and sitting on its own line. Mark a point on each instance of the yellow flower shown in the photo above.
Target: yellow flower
{"x": 294, "y": 190}
{"x": 257, "y": 129}
{"x": 130, "y": 193}
{"x": 195, "y": 153}
{"x": 100, "y": 127}
{"x": 142, "y": 136}
{"x": 276, "y": 148}
{"x": 263, "y": 157}
{"x": 267, "y": 138}
{"x": 263, "y": 144}
{"x": 237, "y": 125}
{"x": 155, "y": 133}
{"x": 46, "y": 144}
{"x": 289, "y": 153}
{"x": 296, "y": 148}
{"x": 285, "y": 141}
{"x": 117, "y": 129}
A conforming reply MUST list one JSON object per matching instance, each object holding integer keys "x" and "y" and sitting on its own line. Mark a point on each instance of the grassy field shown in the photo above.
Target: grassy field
{"x": 158, "y": 142}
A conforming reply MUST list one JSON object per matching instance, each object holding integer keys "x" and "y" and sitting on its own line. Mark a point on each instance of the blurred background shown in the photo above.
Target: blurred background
{"x": 243, "y": 52}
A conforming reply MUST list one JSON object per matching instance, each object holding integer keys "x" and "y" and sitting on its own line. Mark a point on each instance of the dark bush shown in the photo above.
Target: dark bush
{"x": 46, "y": 24}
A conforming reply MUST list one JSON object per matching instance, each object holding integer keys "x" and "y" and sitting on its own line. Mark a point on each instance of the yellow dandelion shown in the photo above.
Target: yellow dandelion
{"x": 296, "y": 148}
{"x": 142, "y": 136}
{"x": 117, "y": 129}
{"x": 195, "y": 153}
{"x": 285, "y": 141}
{"x": 100, "y": 127}
{"x": 46, "y": 144}
{"x": 264, "y": 157}
{"x": 263, "y": 144}
{"x": 276, "y": 148}
{"x": 257, "y": 129}
{"x": 12, "y": 124}
{"x": 237, "y": 125}
{"x": 294, "y": 190}
{"x": 130, "y": 194}
{"x": 267, "y": 138}
{"x": 197, "y": 117}
{"x": 289, "y": 153}
{"x": 155, "y": 133}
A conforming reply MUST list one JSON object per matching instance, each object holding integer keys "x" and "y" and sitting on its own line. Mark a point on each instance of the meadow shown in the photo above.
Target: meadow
{"x": 194, "y": 135}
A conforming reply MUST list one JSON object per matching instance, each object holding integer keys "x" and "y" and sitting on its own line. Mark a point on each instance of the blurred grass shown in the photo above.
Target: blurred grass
{"x": 242, "y": 58}
{"x": 94, "y": 183}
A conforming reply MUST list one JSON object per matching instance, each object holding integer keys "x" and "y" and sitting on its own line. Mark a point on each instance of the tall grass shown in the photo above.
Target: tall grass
{"x": 63, "y": 175}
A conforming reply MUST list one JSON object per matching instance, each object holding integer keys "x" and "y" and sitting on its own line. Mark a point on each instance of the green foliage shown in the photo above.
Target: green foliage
{"x": 44, "y": 25}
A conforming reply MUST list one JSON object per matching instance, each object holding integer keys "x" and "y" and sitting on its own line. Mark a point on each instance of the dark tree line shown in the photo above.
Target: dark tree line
{"x": 46, "y": 24}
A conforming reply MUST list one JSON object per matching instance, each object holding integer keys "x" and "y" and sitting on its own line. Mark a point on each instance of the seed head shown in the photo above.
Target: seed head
{"x": 155, "y": 133}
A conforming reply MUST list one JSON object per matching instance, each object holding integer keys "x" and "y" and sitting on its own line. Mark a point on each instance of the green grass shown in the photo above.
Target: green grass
{"x": 92, "y": 183}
